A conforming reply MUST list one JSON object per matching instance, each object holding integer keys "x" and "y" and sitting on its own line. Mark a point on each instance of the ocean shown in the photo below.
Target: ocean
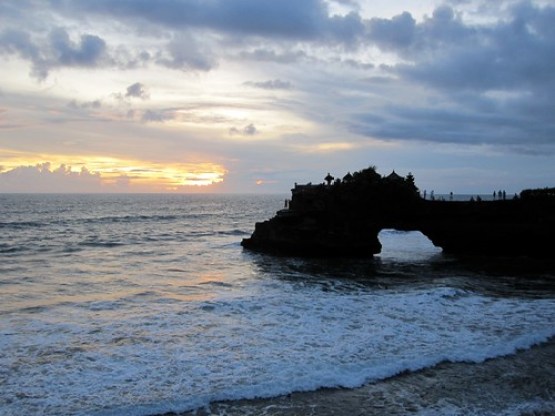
{"x": 147, "y": 304}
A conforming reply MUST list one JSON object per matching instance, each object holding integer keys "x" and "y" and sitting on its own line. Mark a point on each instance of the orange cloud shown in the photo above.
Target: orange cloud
{"x": 22, "y": 172}
{"x": 264, "y": 182}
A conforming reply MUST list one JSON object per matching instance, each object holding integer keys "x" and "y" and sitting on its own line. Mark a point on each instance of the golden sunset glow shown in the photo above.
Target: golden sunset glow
{"x": 110, "y": 171}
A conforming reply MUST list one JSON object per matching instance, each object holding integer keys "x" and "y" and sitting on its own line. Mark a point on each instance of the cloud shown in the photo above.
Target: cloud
{"x": 346, "y": 29}
{"x": 157, "y": 116}
{"x": 95, "y": 104}
{"x": 286, "y": 19}
{"x": 480, "y": 83}
{"x": 14, "y": 41}
{"x": 275, "y": 84}
{"x": 271, "y": 55}
{"x": 350, "y": 3}
{"x": 54, "y": 51}
{"x": 87, "y": 52}
{"x": 395, "y": 33}
{"x": 137, "y": 90}
{"x": 446, "y": 53}
{"x": 44, "y": 178}
{"x": 111, "y": 175}
{"x": 198, "y": 32}
{"x": 249, "y": 130}
{"x": 184, "y": 52}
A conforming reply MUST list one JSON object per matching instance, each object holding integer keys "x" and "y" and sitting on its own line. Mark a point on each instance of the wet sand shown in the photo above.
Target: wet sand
{"x": 519, "y": 384}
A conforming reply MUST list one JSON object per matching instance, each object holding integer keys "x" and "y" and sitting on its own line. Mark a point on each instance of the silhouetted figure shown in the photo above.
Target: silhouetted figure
{"x": 494, "y": 195}
{"x": 329, "y": 179}
{"x": 504, "y": 195}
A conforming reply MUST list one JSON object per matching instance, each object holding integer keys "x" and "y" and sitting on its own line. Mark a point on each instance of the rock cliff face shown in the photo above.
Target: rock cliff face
{"x": 344, "y": 218}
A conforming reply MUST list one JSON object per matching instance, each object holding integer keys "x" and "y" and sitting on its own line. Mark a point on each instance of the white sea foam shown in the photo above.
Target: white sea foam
{"x": 280, "y": 340}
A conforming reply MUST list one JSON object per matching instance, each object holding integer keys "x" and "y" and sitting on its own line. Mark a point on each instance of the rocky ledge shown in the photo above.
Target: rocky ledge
{"x": 342, "y": 218}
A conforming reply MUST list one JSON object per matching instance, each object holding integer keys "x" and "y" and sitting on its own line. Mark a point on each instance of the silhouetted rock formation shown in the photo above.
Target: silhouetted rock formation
{"x": 343, "y": 218}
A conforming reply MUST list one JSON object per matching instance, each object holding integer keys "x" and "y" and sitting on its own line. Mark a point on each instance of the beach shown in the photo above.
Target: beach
{"x": 518, "y": 384}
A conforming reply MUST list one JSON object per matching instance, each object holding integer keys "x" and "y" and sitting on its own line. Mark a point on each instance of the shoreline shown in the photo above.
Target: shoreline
{"x": 519, "y": 384}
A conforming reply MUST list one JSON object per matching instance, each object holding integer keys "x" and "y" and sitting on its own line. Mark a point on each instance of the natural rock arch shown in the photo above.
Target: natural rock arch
{"x": 344, "y": 219}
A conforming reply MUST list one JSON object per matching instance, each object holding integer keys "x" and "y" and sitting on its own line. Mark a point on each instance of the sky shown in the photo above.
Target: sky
{"x": 254, "y": 95}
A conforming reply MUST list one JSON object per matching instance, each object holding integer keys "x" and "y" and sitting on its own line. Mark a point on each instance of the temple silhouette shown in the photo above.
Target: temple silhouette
{"x": 342, "y": 218}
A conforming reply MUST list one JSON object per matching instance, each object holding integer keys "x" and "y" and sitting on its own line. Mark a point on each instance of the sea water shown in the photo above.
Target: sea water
{"x": 145, "y": 304}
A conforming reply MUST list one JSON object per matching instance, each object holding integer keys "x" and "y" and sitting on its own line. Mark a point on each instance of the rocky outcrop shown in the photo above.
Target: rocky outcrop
{"x": 344, "y": 218}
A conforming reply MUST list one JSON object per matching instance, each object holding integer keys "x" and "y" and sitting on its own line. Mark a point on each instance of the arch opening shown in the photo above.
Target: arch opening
{"x": 406, "y": 245}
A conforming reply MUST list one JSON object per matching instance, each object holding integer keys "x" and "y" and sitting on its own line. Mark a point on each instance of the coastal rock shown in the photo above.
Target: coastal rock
{"x": 343, "y": 219}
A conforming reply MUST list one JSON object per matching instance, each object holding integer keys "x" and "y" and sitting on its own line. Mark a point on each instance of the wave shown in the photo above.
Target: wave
{"x": 332, "y": 378}
{"x": 10, "y": 249}
{"x": 109, "y": 219}
{"x": 103, "y": 244}
{"x": 140, "y": 218}
{"x": 18, "y": 249}
{"x": 280, "y": 339}
{"x": 18, "y": 225}
{"x": 234, "y": 232}
{"x": 128, "y": 219}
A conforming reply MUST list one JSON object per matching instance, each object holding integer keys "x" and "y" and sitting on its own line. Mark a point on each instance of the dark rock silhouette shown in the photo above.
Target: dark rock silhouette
{"x": 343, "y": 219}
